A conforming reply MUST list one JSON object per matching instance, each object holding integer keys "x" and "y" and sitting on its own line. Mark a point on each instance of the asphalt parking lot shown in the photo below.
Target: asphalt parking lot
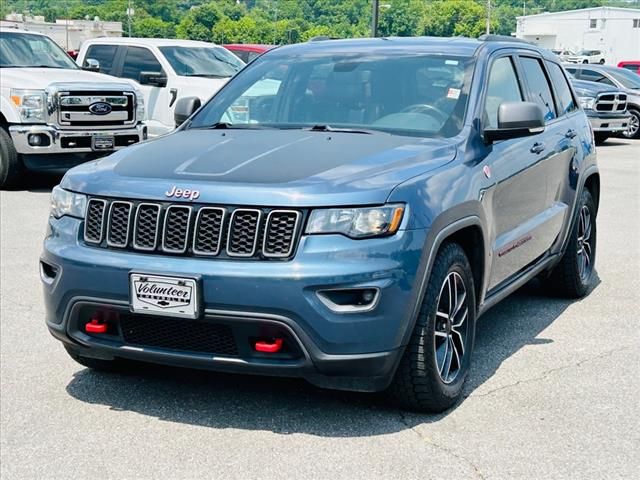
{"x": 554, "y": 391}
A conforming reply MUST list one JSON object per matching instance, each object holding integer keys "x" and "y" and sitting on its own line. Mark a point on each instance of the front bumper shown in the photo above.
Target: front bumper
{"x": 352, "y": 351}
{"x": 69, "y": 141}
{"x": 609, "y": 122}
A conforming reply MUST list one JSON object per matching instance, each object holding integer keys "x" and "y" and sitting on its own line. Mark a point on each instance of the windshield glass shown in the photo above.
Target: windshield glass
{"x": 27, "y": 50}
{"x": 627, "y": 78}
{"x": 396, "y": 92}
{"x": 214, "y": 62}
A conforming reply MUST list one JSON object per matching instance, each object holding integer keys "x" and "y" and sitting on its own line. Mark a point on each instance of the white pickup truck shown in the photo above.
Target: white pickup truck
{"x": 165, "y": 70}
{"x": 54, "y": 115}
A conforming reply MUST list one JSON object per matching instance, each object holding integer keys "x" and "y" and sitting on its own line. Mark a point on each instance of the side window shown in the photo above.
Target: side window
{"x": 563, "y": 91}
{"x": 104, "y": 54}
{"x": 593, "y": 76}
{"x": 540, "y": 91}
{"x": 138, "y": 60}
{"x": 502, "y": 87}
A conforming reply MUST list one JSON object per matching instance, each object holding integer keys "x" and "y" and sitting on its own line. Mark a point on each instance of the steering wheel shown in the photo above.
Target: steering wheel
{"x": 425, "y": 108}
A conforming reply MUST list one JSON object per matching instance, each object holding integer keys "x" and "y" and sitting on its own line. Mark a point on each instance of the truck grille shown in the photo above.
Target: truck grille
{"x": 611, "y": 102}
{"x": 75, "y": 108}
{"x": 207, "y": 231}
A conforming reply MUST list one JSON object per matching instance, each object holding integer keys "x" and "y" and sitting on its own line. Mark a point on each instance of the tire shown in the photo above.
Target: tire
{"x": 585, "y": 61}
{"x": 601, "y": 62}
{"x": 600, "y": 138}
{"x": 572, "y": 278}
{"x": 95, "y": 363}
{"x": 420, "y": 383}
{"x": 634, "y": 127}
{"x": 10, "y": 164}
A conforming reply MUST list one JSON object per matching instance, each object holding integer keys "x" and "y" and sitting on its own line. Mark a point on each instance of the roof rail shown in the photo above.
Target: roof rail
{"x": 501, "y": 38}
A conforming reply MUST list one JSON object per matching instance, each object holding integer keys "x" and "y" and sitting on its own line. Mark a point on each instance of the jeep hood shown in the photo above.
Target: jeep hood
{"x": 40, "y": 78}
{"x": 264, "y": 167}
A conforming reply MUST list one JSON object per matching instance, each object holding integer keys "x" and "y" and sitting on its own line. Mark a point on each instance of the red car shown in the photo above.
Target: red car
{"x": 633, "y": 65}
{"x": 248, "y": 51}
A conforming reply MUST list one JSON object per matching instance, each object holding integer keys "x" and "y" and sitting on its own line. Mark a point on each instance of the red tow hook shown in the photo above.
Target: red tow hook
{"x": 94, "y": 326}
{"x": 269, "y": 347}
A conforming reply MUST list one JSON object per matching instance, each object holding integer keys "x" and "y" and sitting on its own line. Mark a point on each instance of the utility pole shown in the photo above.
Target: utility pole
{"x": 488, "y": 17}
{"x": 129, "y": 13}
{"x": 374, "y": 17}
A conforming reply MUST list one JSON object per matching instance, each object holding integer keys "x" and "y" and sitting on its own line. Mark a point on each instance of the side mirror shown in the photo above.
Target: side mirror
{"x": 91, "y": 64}
{"x": 155, "y": 79}
{"x": 516, "y": 119}
{"x": 185, "y": 108}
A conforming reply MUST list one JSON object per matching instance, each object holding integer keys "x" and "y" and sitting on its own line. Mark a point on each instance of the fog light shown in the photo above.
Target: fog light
{"x": 350, "y": 300}
{"x": 38, "y": 140}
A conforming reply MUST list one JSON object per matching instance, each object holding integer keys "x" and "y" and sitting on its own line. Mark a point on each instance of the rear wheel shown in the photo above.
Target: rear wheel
{"x": 601, "y": 62}
{"x": 572, "y": 277}
{"x": 436, "y": 361}
{"x": 10, "y": 164}
{"x": 633, "y": 131}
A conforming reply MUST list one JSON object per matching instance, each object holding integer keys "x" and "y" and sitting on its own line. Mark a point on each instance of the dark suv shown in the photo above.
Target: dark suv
{"x": 340, "y": 211}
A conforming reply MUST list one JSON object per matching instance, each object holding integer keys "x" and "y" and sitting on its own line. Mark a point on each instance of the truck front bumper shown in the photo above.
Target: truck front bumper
{"x": 48, "y": 139}
{"x": 609, "y": 122}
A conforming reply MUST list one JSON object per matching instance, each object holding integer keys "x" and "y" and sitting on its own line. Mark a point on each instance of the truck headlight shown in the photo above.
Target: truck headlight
{"x": 357, "y": 222}
{"x": 31, "y": 104}
{"x": 139, "y": 106}
{"x": 587, "y": 103}
{"x": 64, "y": 202}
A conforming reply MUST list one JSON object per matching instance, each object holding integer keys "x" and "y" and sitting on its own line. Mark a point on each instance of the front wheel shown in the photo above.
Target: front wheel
{"x": 573, "y": 276}
{"x": 10, "y": 164}
{"x": 633, "y": 131}
{"x": 435, "y": 364}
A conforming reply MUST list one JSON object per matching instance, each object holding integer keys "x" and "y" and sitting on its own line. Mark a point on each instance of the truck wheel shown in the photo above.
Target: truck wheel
{"x": 600, "y": 138}
{"x": 436, "y": 361}
{"x": 95, "y": 363}
{"x": 634, "y": 125}
{"x": 10, "y": 164}
{"x": 572, "y": 277}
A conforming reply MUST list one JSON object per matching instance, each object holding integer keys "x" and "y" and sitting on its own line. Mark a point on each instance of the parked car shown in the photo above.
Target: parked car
{"x": 349, "y": 230}
{"x": 248, "y": 52}
{"x": 631, "y": 65}
{"x": 53, "y": 115}
{"x": 605, "y": 106}
{"x": 620, "y": 78}
{"x": 564, "y": 54}
{"x": 165, "y": 70}
{"x": 586, "y": 56}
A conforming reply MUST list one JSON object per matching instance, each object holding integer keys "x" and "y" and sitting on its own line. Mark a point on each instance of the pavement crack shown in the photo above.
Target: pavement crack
{"x": 545, "y": 374}
{"x": 442, "y": 448}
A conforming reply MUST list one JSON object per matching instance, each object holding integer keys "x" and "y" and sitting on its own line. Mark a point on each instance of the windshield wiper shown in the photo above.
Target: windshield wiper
{"x": 329, "y": 128}
{"x": 208, "y": 75}
{"x": 231, "y": 126}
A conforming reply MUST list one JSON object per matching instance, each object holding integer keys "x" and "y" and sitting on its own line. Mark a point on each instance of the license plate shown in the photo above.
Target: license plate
{"x": 160, "y": 295}
{"x": 102, "y": 143}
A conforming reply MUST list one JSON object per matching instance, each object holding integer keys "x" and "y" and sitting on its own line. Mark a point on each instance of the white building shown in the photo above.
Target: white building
{"x": 69, "y": 34}
{"x": 614, "y": 31}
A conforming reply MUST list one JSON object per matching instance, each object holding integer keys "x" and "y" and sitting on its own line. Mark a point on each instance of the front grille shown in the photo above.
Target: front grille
{"x": 611, "y": 102}
{"x": 178, "y": 334}
{"x": 195, "y": 230}
{"x": 74, "y": 108}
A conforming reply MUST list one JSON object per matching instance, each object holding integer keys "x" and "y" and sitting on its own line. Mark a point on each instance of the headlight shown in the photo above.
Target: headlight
{"x": 68, "y": 203}
{"x": 357, "y": 222}
{"x": 31, "y": 104}
{"x": 587, "y": 103}
{"x": 139, "y": 106}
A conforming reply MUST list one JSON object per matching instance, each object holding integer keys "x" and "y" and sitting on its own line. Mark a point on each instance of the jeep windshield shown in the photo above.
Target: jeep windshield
{"x": 213, "y": 62}
{"x": 395, "y": 92}
{"x": 25, "y": 50}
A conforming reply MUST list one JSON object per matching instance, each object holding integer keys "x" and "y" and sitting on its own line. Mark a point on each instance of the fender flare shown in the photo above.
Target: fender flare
{"x": 8, "y": 111}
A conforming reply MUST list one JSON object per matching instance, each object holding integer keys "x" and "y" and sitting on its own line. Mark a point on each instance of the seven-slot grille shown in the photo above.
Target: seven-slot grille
{"x": 229, "y": 232}
{"x": 611, "y": 102}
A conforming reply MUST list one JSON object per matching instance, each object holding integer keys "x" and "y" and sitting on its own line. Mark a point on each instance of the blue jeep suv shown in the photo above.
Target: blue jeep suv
{"x": 341, "y": 211}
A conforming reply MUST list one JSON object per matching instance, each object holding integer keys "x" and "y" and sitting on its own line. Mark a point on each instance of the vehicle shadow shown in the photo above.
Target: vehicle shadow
{"x": 292, "y": 406}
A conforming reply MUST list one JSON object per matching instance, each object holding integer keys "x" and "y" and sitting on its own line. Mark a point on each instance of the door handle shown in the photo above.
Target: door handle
{"x": 537, "y": 148}
{"x": 571, "y": 133}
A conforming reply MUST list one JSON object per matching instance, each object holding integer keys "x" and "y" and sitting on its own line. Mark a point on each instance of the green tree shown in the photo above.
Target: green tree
{"x": 198, "y": 22}
{"x": 151, "y": 27}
